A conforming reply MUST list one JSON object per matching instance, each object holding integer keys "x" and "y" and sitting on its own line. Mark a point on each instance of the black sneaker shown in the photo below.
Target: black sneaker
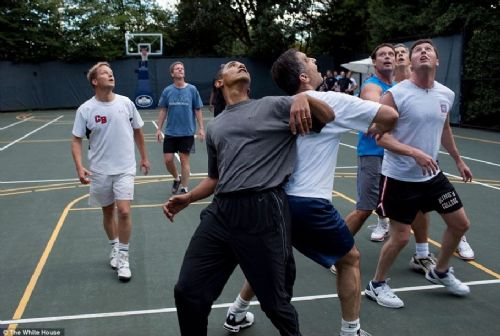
{"x": 234, "y": 326}
{"x": 175, "y": 186}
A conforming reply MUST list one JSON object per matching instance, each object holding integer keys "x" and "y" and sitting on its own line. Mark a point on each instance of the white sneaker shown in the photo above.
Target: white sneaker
{"x": 234, "y": 325}
{"x": 422, "y": 265}
{"x": 464, "y": 250}
{"x": 384, "y": 296}
{"x": 333, "y": 269}
{"x": 449, "y": 281}
{"x": 123, "y": 271}
{"x": 381, "y": 231}
{"x": 113, "y": 257}
{"x": 360, "y": 332}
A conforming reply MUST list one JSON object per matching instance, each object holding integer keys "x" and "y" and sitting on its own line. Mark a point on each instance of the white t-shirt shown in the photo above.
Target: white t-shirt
{"x": 111, "y": 139}
{"x": 314, "y": 170}
{"x": 422, "y": 114}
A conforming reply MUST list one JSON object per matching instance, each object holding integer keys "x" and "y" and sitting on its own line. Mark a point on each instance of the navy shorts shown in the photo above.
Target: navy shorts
{"x": 318, "y": 230}
{"x": 182, "y": 144}
{"x": 401, "y": 200}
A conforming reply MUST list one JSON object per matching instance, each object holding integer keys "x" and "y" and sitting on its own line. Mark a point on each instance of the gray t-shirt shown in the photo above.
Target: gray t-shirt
{"x": 422, "y": 114}
{"x": 250, "y": 146}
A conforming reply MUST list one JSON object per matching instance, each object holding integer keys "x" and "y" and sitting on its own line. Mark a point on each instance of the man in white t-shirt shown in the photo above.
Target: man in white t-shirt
{"x": 412, "y": 181}
{"x": 112, "y": 124}
{"x": 318, "y": 230}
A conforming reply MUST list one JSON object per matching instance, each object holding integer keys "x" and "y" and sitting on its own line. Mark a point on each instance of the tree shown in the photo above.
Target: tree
{"x": 31, "y": 30}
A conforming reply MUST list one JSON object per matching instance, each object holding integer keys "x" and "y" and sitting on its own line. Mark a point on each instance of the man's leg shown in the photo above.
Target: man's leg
{"x": 262, "y": 242}
{"x": 457, "y": 224}
{"x": 207, "y": 265}
{"x": 377, "y": 289}
{"x": 111, "y": 229}
{"x": 185, "y": 170}
{"x": 422, "y": 260}
{"x": 170, "y": 164}
{"x": 356, "y": 219}
{"x": 238, "y": 316}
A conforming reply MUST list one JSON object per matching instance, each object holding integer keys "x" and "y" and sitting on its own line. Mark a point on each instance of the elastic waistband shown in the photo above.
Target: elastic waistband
{"x": 248, "y": 192}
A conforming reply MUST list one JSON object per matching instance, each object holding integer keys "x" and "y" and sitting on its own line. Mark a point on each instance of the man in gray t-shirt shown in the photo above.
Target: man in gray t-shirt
{"x": 251, "y": 153}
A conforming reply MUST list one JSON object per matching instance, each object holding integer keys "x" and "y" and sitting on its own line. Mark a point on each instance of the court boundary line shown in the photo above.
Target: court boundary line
{"x": 28, "y": 134}
{"x": 217, "y": 306}
{"x": 15, "y": 123}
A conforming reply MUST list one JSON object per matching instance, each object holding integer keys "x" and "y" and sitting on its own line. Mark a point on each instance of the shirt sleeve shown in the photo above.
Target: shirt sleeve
{"x": 80, "y": 125}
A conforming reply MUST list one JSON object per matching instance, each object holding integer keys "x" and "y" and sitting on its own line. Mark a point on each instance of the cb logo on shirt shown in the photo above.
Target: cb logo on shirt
{"x": 100, "y": 119}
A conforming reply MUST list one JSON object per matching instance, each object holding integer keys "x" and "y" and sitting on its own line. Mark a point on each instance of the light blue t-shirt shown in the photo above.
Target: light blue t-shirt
{"x": 181, "y": 104}
{"x": 367, "y": 146}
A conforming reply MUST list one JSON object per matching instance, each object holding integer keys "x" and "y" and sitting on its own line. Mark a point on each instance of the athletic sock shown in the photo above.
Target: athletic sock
{"x": 123, "y": 247}
{"x": 377, "y": 284}
{"x": 383, "y": 220}
{"x": 113, "y": 242}
{"x": 441, "y": 274}
{"x": 422, "y": 250}
{"x": 239, "y": 308}
{"x": 349, "y": 328}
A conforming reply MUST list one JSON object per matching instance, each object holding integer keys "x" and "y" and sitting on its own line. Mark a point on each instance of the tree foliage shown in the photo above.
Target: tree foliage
{"x": 81, "y": 30}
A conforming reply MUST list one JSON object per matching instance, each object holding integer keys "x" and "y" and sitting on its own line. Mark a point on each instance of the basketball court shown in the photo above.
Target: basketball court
{"x": 54, "y": 253}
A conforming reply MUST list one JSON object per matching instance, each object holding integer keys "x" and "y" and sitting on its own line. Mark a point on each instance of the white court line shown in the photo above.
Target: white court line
{"x": 473, "y": 182}
{"x": 77, "y": 180}
{"x": 472, "y": 159}
{"x": 17, "y": 122}
{"x": 455, "y": 176}
{"x": 222, "y": 305}
{"x": 27, "y": 135}
{"x": 441, "y": 152}
{"x": 163, "y": 135}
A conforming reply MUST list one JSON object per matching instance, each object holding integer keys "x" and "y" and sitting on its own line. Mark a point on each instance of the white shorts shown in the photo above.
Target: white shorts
{"x": 106, "y": 189}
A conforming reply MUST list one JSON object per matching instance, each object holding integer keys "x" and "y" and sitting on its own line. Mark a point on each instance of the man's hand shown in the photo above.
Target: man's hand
{"x": 159, "y": 135}
{"x": 201, "y": 134}
{"x": 145, "y": 166}
{"x": 300, "y": 115}
{"x": 376, "y": 132}
{"x": 175, "y": 204}
{"x": 83, "y": 175}
{"x": 465, "y": 171}
{"x": 429, "y": 166}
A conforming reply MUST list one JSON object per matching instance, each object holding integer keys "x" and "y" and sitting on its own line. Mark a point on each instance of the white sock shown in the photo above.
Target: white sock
{"x": 123, "y": 247}
{"x": 113, "y": 242}
{"x": 350, "y": 328}
{"x": 239, "y": 307}
{"x": 422, "y": 250}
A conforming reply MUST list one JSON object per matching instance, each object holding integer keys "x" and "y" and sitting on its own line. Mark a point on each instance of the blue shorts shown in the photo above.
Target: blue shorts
{"x": 318, "y": 230}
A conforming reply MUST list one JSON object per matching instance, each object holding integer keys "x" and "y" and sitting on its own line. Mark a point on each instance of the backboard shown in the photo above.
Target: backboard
{"x": 134, "y": 42}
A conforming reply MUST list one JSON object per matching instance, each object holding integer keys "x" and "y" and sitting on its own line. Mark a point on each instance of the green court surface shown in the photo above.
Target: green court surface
{"x": 54, "y": 253}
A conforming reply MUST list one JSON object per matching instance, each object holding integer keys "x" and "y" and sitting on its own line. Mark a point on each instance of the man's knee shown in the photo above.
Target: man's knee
{"x": 351, "y": 259}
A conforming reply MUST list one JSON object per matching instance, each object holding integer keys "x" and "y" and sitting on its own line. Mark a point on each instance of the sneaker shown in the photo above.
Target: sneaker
{"x": 181, "y": 191}
{"x": 124, "y": 273}
{"x": 234, "y": 326}
{"x": 384, "y": 296}
{"x": 449, "y": 281}
{"x": 360, "y": 332}
{"x": 464, "y": 250}
{"x": 422, "y": 265}
{"x": 113, "y": 257}
{"x": 175, "y": 185}
{"x": 333, "y": 269}
{"x": 380, "y": 232}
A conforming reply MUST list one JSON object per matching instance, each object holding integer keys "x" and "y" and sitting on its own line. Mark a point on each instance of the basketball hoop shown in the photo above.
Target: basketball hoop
{"x": 136, "y": 43}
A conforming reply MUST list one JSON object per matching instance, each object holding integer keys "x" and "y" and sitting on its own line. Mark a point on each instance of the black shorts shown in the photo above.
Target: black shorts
{"x": 182, "y": 144}
{"x": 401, "y": 201}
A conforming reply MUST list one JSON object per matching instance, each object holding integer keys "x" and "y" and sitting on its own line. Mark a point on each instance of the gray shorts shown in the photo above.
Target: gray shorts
{"x": 105, "y": 189}
{"x": 369, "y": 168}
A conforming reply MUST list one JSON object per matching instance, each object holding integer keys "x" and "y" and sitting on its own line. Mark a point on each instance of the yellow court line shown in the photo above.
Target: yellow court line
{"x": 41, "y": 264}
{"x": 435, "y": 243}
{"x": 137, "y": 206}
{"x": 477, "y": 139}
